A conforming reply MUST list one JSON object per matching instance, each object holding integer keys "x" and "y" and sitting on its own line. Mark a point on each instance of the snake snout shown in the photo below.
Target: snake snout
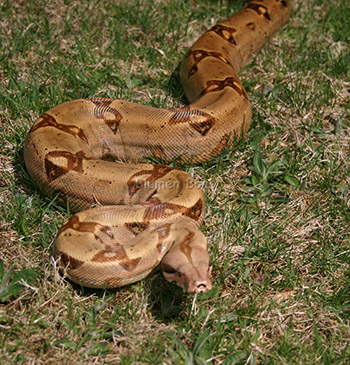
{"x": 200, "y": 286}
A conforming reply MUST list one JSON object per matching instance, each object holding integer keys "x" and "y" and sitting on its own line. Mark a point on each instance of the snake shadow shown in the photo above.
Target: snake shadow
{"x": 174, "y": 87}
{"x": 165, "y": 301}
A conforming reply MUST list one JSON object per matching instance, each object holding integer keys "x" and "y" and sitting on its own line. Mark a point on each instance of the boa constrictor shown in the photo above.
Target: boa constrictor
{"x": 134, "y": 216}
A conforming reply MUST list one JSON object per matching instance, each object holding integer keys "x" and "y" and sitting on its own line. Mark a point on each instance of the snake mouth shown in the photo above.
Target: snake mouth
{"x": 200, "y": 287}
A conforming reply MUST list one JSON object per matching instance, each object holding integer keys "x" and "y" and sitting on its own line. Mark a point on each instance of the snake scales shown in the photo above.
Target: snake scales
{"x": 134, "y": 216}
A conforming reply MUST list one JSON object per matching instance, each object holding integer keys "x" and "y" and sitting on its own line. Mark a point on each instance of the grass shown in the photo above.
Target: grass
{"x": 278, "y": 203}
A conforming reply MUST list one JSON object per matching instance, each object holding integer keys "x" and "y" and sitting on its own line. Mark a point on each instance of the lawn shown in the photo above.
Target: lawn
{"x": 278, "y": 203}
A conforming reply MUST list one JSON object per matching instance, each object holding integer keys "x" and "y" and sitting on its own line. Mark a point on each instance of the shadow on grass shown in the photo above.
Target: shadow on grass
{"x": 164, "y": 299}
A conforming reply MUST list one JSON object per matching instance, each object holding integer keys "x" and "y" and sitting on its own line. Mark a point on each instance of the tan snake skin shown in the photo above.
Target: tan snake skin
{"x": 91, "y": 153}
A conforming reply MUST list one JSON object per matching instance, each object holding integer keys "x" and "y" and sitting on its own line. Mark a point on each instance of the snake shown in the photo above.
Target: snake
{"x": 96, "y": 156}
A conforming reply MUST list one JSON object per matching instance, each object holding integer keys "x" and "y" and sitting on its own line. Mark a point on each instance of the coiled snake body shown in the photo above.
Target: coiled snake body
{"x": 90, "y": 152}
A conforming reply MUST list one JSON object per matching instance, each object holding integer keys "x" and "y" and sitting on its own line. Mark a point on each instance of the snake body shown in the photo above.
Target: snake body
{"x": 132, "y": 216}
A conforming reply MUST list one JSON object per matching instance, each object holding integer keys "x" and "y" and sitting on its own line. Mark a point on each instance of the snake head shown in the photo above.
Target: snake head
{"x": 189, "y": 270}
